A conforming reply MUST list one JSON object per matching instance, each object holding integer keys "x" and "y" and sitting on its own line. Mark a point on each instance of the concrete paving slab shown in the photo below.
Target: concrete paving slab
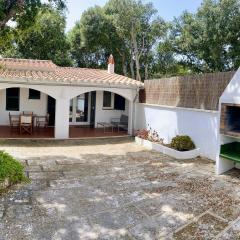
{"x": 118, "y": 191}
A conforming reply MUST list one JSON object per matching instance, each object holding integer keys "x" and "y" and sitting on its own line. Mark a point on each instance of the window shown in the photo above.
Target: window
{"x": 107, "y": 100}
{"x": 12, "y": 99}
{"x": 119, "y": 102}
{"x": 82, "y": 108}
{"x": 79, "y": 108}
{"x": 34, "y": 94}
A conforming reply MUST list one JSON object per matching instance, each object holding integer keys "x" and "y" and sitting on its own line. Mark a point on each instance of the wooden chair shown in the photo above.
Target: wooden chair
{"x": 42, "y": 121}
{"x": 26, "y": 124}
{"x": 14, "y": 121}
{"x": 27, "y": 113}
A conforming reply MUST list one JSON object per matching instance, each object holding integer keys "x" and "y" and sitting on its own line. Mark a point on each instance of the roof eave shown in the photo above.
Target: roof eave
{"x": 29, "y": 81}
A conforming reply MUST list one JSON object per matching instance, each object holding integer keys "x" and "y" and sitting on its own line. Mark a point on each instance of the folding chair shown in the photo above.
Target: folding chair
{"x": 26, "y": 124}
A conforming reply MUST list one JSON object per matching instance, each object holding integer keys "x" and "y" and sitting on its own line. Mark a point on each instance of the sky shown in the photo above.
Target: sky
{"x": 167, "y": 9}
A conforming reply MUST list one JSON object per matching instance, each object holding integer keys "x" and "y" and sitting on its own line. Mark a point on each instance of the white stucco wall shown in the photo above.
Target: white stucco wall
{"x": 38, "y": 106}
{"x": 103, "y": 115}
{"x": 201, "y": 126}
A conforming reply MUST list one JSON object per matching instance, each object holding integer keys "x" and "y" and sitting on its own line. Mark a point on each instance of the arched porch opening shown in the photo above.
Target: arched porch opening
{"x": 91, "y": 114}
{"x": 16, "y": 101}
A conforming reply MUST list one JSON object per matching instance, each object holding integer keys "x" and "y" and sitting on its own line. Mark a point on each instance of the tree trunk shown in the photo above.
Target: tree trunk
{"x": 146, "y": 71}
{"x": 136, "y": 55}
{"x": 124, "y": 67}
{"x": 132, "y": 67}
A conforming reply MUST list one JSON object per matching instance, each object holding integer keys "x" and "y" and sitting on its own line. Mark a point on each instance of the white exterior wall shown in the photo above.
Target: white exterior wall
{"x": 105, "y": 115}
{"x": 200, "y": 125}
{"x": 38, "y": 106}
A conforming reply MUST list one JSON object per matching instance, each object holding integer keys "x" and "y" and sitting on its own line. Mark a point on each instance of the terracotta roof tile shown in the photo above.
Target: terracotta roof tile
{"x": 44, "y": 71}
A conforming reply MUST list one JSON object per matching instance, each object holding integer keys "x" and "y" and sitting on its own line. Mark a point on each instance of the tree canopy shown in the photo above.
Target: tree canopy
{"x": 45, "y": 39}
{"x": 17, "y": 10}
{"x": 128, "y": 29}
{"x": 209, "y": 40}
{"x": 143, "y": 44}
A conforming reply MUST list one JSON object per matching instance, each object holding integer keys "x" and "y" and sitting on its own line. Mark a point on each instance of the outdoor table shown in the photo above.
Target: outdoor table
{"x": 105, "y": 125}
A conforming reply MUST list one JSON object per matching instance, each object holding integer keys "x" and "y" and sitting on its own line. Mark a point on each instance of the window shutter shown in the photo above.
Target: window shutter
{"x": 119, "y": 102}
{"x": 12, "y": 99}
{"x": 34, "y": 94}
{"x": 107, "y": 99}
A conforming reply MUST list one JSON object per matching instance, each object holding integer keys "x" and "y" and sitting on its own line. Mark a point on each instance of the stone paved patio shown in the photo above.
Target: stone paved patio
{"x": 114, "y": 189}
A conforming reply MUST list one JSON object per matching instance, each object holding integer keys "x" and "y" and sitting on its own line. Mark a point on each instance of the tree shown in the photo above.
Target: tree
{"x": 153, "y": 32}
{"x": 133, "y": 23}
{"x": 16, "y": 9}
{"x": 45, "y": 39}
{"x": 125, "y": 28}
{"x": 94, "y": 38}
{"x": 209, "y": 40}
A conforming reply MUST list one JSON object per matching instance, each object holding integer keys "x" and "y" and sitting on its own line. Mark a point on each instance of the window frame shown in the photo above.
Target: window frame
{"x": 32, "y": 97}
{"x": 12, "y": 97}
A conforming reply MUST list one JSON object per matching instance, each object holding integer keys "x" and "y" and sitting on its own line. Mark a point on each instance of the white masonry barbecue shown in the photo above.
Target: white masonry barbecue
{"x": 229, "y": 137}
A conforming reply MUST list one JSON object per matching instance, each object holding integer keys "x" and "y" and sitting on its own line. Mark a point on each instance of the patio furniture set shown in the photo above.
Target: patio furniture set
{"x": 121, "y": 124}
{"x": 27, "y": 121}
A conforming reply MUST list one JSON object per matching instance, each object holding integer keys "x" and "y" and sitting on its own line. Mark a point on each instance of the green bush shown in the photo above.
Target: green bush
{"x": 182, "y": 143}
{"x": 11, "y": 169}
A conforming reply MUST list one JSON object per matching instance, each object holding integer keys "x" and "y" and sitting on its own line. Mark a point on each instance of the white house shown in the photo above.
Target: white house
{"x": 73, "y": 97}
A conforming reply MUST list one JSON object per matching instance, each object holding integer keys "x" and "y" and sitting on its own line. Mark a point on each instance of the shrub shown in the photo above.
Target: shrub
{"x": 11, "y": 169}
{"x": 142, "y": 134}
{"x": 150, "y": 135}
{"x": 182, "y": 143}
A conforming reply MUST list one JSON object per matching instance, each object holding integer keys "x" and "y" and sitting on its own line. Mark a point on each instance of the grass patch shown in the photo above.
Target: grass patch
{"x": 11, "y": 169}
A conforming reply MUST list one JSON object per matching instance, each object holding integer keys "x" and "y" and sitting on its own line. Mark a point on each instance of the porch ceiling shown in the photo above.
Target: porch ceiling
{"x": 46, "y": 72}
